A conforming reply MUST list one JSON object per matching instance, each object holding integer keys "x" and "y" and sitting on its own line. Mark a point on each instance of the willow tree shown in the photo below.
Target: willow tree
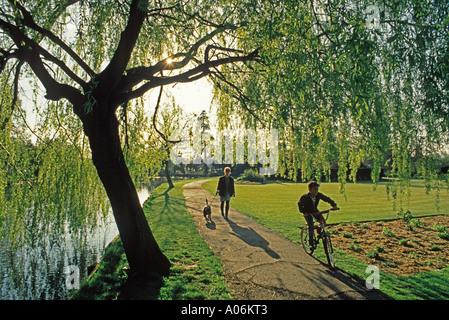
{"x": 347, "y": 82}
{"x": 99, "y": 56}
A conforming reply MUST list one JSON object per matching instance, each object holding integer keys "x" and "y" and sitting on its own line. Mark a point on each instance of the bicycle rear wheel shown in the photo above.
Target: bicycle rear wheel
{"x": 305, "y": 240}
{"x": 329, "y": 250}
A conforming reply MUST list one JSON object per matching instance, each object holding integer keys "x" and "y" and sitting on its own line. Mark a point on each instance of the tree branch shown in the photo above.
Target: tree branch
{"x": 154, "y": 120}
{"x": 27, "y": 45}
{"x": 240, "y": 96}
{"x": 210, "y": 47}
{"x": 319, "y": 24}
{"x": 136, "y": 75}
{"x": 116, "y": 67}
{"x": 188, "y": 76}
{"x": 157, "y": 11}
{"x": 29, "y": 21}
{"x": 31, "y": 53}
{"x": 15, "y": 94}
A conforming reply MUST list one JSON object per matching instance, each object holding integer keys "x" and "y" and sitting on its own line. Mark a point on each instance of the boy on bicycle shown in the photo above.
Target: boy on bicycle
{"x": 308, "y": 204}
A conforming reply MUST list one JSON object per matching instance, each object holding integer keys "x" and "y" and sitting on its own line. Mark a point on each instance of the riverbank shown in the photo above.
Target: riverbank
{"x": 196, "y": 273}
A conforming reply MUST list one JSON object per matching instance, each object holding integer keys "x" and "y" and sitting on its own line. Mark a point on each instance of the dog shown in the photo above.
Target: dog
{"x": 207, "y": 212}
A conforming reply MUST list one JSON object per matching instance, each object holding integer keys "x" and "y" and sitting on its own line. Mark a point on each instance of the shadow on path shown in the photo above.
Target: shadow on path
{"x": 251, "y": 237}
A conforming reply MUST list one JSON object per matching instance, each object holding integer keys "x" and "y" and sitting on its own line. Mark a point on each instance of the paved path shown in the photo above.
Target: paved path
{"x": 260, "y": 264}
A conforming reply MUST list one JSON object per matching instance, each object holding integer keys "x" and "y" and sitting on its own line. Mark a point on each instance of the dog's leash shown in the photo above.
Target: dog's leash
{"x": 210, "y": 204}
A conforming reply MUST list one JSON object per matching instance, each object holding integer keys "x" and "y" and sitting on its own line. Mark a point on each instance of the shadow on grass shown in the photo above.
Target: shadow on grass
{"x": 137, "y": 288}
{"x": 196, "y": 273}
{"x": 111, "y": 281}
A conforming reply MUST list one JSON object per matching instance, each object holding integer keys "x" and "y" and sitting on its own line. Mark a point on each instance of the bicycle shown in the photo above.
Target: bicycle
{"x": 320, "y": 233}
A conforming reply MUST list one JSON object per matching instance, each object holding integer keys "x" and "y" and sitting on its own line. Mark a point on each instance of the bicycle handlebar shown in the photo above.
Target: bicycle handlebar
{"x": 316, "y": 214}
{"x": 325, "y": 211}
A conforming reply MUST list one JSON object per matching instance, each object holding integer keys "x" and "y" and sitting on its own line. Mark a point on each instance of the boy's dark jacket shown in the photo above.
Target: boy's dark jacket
{"x": 305, "y": 203}
{"x": 222, "y": 186}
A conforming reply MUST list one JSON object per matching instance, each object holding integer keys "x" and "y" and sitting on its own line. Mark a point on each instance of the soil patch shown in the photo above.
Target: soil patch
{"x": 395, "y": 246}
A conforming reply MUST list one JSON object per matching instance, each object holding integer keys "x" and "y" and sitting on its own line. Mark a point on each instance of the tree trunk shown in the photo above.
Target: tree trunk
{"x": 167, "y": 174}
{"x": 142, "y": 251}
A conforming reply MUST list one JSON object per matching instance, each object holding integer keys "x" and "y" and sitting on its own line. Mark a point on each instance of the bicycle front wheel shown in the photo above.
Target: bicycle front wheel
{"x": 305, "y": 240}
{"x": 328, "y": 250}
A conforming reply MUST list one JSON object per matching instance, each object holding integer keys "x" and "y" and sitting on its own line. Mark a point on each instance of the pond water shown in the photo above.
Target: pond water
{"x": 56, "y": 263}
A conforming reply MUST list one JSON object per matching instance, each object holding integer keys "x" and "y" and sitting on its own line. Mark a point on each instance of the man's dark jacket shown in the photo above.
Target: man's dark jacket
{"x": 306, "y": 206}
{"x": 222, "y": 186}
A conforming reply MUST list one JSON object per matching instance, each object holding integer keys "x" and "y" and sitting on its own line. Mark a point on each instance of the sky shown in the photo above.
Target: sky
{"x": 193, "y": 97}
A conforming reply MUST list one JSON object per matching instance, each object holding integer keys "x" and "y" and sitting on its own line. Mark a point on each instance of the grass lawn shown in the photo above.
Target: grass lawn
{"x": 275, "y": 206}
{"x": 276, "y": 203}
{"x": 196, "y": 273}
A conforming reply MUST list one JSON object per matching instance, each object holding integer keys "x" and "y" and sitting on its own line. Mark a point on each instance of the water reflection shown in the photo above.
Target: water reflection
{"x": 39, "y": 271}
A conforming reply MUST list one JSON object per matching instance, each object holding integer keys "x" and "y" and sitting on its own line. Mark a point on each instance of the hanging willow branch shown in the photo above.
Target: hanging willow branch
{"x": 155, "y": 122}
